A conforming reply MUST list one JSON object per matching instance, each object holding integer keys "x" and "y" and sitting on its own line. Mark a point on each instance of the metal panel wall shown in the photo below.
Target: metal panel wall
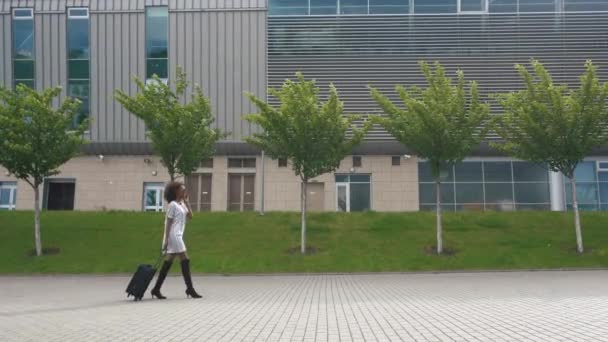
{"x": 382, "y": 51}
{"x": 6, "y": 51}
{"x": 225, "y": 53}
{"x": 221, "y": 45}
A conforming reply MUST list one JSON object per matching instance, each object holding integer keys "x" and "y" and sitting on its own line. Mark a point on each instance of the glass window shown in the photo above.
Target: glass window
{"x": 396, "y": 160}
{"x": 499, "y": 192}
{"x": 537, "y": 6}
{"x": 497, "y": 171}
{"x": 604, "y": 192}
{"x": 23, "y": 69}
{"x": 585, "y": 172}
{"x": 360, "y": 178}
{"x": 468, "y": 172}
{"x": 288, "y": 7}
{"x": 357, "y": 161}
{"x": 585, "y": 5}
{"x": 157, "y": 21}
{"x": 389, "y": 6}
{"x": 23, "y": 13}
{"x": 529, "y": 172}
{"x": 78, "y": 60}
{"x": 8, "y": 195}
{"x": 360, "y": 199}
{"x": 23, "y": 39}
{"x": 586, "y": 193}
{"x": 428, "y": 193}
{"x": 158, "y": 67}
{"x": 80, "y": 89}
{"x": 78, "y": 69}
{"x": 353, "y": 6}
{"x": 353, "y": 193}
{"x": 435, "y": 6}
{"x": 532, "y": 193}
{"x": 469, "y": 193}
{"x": 23, "y": 47}
{"x": 78, "y": 38}
{"x": 78, "y": 12}
{"x": 425, "y": 175}
{"x": 603, "y": 176}
{"x": 323, "y": 7}
{"x": 207, "y": 163}
{"x": 341, "y": 179}
{"x": 472, "y": 5}
{"x": 503, "y": 6}
{"x": 153, "y": 197}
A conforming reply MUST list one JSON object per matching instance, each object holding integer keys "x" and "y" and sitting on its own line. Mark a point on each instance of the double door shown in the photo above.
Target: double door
{"x": 241, "y": 192}
{"x": 199, "y": 191}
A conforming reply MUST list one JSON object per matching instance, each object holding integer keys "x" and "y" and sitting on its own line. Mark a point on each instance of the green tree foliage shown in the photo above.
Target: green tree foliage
{"x": 180, "y": 133}
{"x": 551, "y": 125}
{"x": 36, "y": 138}
{"x": 441, "y": 123}
{"x": 314, "y": 136}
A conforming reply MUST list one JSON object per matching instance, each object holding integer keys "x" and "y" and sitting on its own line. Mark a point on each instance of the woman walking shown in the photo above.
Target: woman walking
{"x": 178, "y": 211}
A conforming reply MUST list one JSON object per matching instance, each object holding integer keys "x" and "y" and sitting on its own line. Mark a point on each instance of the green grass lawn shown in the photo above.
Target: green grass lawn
{"x": 116, "y": 242}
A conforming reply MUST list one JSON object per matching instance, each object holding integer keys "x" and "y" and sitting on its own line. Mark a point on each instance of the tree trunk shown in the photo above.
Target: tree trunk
{"x": 577, "y": 218}
{"x": 439, "y": 227}
{"x": 37, "y": 237}
{"x": 303, "y": 199}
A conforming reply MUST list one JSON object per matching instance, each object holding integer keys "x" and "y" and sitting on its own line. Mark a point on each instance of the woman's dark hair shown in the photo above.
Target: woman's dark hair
{"x": 171, "y": 191}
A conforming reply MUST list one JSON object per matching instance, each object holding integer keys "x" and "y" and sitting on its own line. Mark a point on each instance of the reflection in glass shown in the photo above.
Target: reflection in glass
{"x": 288, "y": 7}
{"x": 157, "y": 21}
{"x": 497, "y": 171}
{"x": 529, "y": 172}
{"x": 532, "y": 193}
{"x": 359, "y": 197}
{"x": 468, "y": 172}
{"x": 323, "y": 7}
{"x": 78, "y": 38}
{"x": 537, "y": 6}
{"x": 23, "y": 39}
{"x": 342, "y": 205}
{"x": 353, "y": 6}
{"x": 389, "y": 7}
{"x": 435, "y": 6}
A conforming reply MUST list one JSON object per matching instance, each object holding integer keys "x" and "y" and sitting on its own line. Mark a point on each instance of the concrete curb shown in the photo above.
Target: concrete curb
{"x": 436, "y": 272}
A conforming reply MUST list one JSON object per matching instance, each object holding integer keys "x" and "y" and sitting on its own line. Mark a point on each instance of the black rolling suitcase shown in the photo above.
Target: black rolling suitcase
{"x": 141, "y": 280}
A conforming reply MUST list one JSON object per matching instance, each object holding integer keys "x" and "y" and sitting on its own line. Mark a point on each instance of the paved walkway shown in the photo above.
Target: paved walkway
{"x": 534, "y": 306}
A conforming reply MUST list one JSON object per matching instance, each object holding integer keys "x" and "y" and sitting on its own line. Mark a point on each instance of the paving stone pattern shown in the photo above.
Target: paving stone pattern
{"x": 510, "y": 306}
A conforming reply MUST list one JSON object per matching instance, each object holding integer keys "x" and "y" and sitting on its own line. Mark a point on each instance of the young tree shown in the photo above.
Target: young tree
{"x": 311, "y": 134}
{"x": 551, "y": 125}
{"x": 441, "y": 123}
{"x": 36, "y": 139}
{"x": 181, "y": 133}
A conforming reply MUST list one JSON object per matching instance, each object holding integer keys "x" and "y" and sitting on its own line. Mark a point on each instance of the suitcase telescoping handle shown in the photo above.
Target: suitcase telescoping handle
{"x": 160, "y": 258}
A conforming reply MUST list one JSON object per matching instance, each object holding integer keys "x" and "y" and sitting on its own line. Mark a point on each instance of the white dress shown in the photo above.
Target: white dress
{"x": 177, "y": 212}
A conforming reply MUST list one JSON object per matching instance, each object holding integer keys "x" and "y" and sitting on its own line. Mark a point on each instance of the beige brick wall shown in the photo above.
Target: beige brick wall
{"x": 394, "y": 188}
{"x": 117, "y": 183}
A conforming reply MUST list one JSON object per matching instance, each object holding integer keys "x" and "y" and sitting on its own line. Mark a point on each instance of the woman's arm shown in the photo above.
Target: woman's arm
{"x": 168, "y": 226}
{"x": 187, "y": 204}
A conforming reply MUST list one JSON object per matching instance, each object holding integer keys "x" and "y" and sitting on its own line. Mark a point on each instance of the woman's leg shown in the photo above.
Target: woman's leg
{"x": 162, "y": 274}
{"x": 185, "y": 263}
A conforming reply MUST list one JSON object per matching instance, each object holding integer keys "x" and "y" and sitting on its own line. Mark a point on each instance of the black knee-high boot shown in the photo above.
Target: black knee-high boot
{"x": 162, "y": 274}
{"x": 190, "y": 292}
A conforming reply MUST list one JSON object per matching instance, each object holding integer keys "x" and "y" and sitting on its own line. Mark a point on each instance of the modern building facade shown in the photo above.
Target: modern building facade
{"x": 91, "y": 47}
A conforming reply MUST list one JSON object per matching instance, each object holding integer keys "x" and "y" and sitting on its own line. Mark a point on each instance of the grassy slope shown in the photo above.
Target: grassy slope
{"x": 235, "y": 243}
